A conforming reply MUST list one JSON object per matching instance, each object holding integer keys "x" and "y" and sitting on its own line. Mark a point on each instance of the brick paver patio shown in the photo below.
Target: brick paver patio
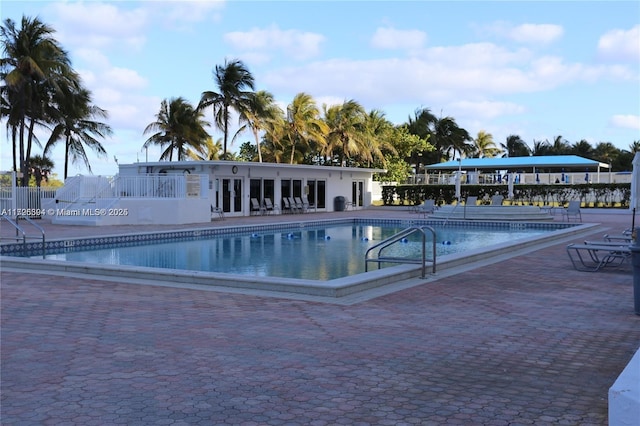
{"x": 524, "y": 341}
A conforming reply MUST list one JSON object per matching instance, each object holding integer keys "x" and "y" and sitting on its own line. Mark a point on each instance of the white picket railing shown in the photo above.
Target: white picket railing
{"x": 24, "y": 199}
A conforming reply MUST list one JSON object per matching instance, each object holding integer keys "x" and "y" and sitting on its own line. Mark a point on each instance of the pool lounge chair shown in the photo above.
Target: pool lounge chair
{"x": 286, "y": 205}
{"x": 471, "y": 201}
{"x": 256, "y": 207}
{"x": 496, "y": 200}
{"x": 300, "y": 206}
{"x": 269, "y": 207}
{"x": 593, "y": 256}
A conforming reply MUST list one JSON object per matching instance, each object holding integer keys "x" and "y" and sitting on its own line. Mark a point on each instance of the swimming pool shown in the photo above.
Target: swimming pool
{"x": 307, "y": 257}
{"x": 319, "y": 252}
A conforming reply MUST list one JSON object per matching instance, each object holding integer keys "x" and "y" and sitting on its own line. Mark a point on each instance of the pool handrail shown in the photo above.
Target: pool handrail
{"x": 399, "y": 237}
{"x": 20, "y": 230}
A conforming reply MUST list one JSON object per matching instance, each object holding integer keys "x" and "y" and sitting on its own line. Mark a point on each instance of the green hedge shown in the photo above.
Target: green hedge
{"x": 613, "y": 195}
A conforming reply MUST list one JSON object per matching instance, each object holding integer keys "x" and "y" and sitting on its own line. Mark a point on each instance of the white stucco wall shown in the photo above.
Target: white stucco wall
{"x": 338, "y": 180}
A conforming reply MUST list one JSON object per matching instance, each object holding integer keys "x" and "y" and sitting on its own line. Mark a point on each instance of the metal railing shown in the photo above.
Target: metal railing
{"x": 401, "y": 237}
{"x": 21, "y": 234}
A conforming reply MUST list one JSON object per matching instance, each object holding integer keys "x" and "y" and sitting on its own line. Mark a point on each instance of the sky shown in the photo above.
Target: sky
{"x": 536, "y": 69}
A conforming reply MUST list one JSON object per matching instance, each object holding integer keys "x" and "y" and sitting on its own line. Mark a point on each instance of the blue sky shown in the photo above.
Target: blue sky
{"x": 536, "y": 69}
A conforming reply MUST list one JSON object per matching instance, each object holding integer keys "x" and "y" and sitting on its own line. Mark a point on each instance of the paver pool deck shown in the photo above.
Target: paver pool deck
{"x": 527, "y": 340}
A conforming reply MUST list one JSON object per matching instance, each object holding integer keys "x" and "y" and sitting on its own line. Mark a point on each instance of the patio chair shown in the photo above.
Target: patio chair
{"x": 593, "y": 256}
{"x": 292, "y": 204}
{"x": 427, "y": 207}
{"x": 286, "y": 205}
{"x": 572, "y": 210}
{"x": 269, "y": 207}
{"x": 471, "y": 201}
{"x": 307, "y": 204}
{"x": 300, "y": 205}
{"x": 256, "y": 207}
{"x": 216, "y": 212}
{"x": 496, "y": 200}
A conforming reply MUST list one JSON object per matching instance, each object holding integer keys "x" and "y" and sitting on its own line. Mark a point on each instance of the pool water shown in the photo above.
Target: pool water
{"x": 315, "y": 253}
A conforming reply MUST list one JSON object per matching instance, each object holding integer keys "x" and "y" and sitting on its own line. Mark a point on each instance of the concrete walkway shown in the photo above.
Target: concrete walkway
{"x": 528, "y": 340}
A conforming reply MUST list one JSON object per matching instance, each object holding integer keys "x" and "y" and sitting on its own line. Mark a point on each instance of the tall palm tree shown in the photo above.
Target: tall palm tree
{"x": 541, "y": 148}
{"x": 178, "y": 127}
{"x": 75, "y": 123}
{"x": 514, "y": 146}
{"x": 232, "y": 79}
{"x": 450, "y": 138}
{"x": 346, "y": 130}
{"x": 484, "y": 146}
{"x": 32, "y": 66}
{"x": 380, "y": 138}
{"x": 560, "y": 146}
{"x": 208, "y": 151}
{"x": 260, "y": 110}
{"x": 40, "y": 167}
{"x": 582, "y": 148}
{"x": 304, "y": 127}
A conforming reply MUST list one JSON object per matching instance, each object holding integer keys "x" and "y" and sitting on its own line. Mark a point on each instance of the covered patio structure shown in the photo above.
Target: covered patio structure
{"x": 568, "y": 169}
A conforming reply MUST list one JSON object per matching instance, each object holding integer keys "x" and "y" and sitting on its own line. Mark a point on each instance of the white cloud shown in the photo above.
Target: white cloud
{"x": 293, "y": 43}
{"x": 620, "y": 45}
{"x": 391, "y": 38}
{"x": 628, "y": 121}
{"x": 99, "y": 25}
{"x": 536, "y": 33}
{"x": 485, "y": 109}
{"x": 182, "y": 13}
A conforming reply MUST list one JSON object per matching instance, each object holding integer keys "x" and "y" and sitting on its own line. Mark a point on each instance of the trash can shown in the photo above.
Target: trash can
{"x": 339, "y": 203}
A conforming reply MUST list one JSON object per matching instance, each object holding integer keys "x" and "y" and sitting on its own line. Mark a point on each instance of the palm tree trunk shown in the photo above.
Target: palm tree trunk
{"x": 22, "y": 161}
{"x": 66, "y": 156}
{"x": 255, "y": 134}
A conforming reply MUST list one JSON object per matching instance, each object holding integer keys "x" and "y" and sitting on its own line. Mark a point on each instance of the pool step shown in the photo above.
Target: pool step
{"x": 499, "y": 213}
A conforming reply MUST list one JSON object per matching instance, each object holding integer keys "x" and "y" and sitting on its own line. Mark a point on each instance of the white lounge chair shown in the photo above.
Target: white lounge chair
{"x": 496, "y": 200}
{"x": 300, "y": 206}
{"x": 572, "y": 210}
{"x": 256, "y": 207}
{"x": 593, "y": 256}
{"x": 471, "y": 201}
{"x": 269, "y": 206}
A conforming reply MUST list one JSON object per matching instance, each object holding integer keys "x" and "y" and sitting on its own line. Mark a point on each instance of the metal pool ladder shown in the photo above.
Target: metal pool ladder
{"x": 399, "y": 237}
{"x": 21, "y": 234}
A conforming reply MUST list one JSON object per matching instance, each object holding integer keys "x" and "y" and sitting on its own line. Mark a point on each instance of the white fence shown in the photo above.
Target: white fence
{"x": 24, "y": 200}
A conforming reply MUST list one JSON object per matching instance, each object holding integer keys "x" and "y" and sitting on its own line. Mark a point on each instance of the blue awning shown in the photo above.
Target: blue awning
{"x": 567, "y": 162}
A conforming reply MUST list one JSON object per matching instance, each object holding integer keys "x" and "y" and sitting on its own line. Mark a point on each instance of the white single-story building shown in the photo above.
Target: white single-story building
{"x": 181, "y": 192}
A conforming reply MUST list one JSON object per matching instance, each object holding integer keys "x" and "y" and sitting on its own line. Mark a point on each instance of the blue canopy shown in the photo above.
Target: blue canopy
{"x": 521, "y": 163}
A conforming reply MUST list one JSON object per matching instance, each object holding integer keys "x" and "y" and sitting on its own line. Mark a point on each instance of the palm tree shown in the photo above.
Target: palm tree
{"x": 380, "y": 138}
{"x": 560, "y": 146}
{"x": 541, "y": 148}
{"x": 346, "y": 130}
{"x": 260, "y": 110}
{"x": 451, "y": 138}
{"x": 514, "y": 146}
{"x": 483, "y": 145}
{"x": 232, "y": 79}
{"x": 75, "y": 124}
{"x": 32, "y": 66}
{"x": 208, "y": 151}
{"x": 304, "y": 125}
{"x": 582, "y": 148}
{"x": 634, "y": 146}
{"x": 178, "y": 126}
{"x": 40, "y": 168}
